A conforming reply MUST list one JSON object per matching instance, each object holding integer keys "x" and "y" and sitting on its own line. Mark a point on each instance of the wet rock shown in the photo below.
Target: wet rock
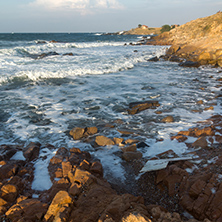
{"x": 153, "y": 59}
{"x": 118, "y": 141}
{"x": 31, "y": 152}
{"x": 7, "y": 152}
{"x": 130, "y": 156}
{"x": 168, "y": 119}
{"x": 137, "y": 107}
{"x": 77, "y": 133}
{"x": 131, "y": 148}
{"x": 190, "y": 64}
{"x": 104, "y": 141}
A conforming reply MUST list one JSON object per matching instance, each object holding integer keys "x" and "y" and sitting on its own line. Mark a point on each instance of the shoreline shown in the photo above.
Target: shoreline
{"x": 196, "y": 41}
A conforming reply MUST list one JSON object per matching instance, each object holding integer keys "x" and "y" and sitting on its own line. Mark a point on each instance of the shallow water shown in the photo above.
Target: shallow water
{"x": 44, "y": 92}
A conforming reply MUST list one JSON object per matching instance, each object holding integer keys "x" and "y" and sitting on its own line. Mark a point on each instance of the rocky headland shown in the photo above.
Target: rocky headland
{"x": 197, "y": 41}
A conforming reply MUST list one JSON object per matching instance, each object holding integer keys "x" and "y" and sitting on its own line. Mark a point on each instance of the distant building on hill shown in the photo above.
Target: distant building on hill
{"x": 144, "y": 27}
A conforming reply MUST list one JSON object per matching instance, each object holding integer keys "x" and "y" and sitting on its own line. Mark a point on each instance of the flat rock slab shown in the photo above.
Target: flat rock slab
{"x": 136, "y": 107}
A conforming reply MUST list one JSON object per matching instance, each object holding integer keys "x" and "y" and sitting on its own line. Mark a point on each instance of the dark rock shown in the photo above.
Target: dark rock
{"x": 189, "y": 64}
{"x": 130, "y": 156}
{"x": 136, "y": 107}
{"x": 27, "y": 210}
{"x": 142, "y": 145}
{"x": 154, "y": 59}
{"x": 31, "y": 152}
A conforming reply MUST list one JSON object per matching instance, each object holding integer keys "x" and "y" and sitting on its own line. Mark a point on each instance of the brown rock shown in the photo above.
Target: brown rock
{"x": 168, "y": 119}
{"x": 75, "y": 189}
{"x": 130, "y": 156}
{"x": 9, "y": 192}
{"x": 137, "y": 107}
{"x": 3, "y": 202}
{"x": 104, "y": 141}
{"x": 118, "y": 141}
{"x": 66, "y": 167}
{"x": 31, "y": 152}
{"x": 84, "y": 165}
{"x": 83, "y": 177}
{"x": 131, "y": 141}
{"x": 61, "y": 199}
{"x": 27, "y": 210}
{"x": 131, "y": 148}
{"x": 200, "y": 142}
{"x": 91, "y": 130}
{"x": 209, "y": 108}
{"x": 77, "y": 133}
{"x": 179, "y": 138}
{"x": 97, "y": 168}
{"x": 197, "y": 188}
{"x": 8, "y": 170}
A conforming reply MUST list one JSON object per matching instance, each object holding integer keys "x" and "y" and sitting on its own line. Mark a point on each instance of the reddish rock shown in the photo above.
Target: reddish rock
{"x": 104, "y": 141}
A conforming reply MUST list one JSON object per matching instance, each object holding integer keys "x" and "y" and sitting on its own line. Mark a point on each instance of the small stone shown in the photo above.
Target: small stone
{"x": 77, "y": 133}
{"x": 104, "y": 141}
{"x": 168, "y": 119}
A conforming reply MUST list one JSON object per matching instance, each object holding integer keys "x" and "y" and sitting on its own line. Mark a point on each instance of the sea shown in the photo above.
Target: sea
{"x": 53, "y": 82}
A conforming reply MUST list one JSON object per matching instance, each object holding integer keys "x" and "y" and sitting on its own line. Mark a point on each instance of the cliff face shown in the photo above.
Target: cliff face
{"x": 198, "y": 40}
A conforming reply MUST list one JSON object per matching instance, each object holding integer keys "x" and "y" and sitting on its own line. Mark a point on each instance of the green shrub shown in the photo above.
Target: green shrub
{"x": 165, "y": 28}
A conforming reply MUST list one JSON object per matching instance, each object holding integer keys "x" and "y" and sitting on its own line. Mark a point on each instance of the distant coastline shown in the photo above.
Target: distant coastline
{"x": 138, "y": 31}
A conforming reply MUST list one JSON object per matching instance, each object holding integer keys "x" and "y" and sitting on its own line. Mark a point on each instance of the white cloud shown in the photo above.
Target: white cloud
{"x": 80, "y": 5}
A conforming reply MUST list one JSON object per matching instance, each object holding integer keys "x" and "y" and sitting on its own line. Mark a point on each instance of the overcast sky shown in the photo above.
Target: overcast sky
{"x": 99, "y": 15}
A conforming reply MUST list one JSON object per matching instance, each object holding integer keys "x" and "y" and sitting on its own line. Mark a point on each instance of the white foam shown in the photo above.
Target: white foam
{"x": 18, "y": 156}
{"x": 42, "y": 180}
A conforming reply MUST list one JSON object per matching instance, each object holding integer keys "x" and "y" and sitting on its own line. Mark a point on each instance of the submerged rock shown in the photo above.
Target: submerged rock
{"x": 136, "y": 107}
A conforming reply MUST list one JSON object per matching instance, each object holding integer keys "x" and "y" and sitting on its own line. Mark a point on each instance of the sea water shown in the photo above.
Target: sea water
{"x": 51, "y": 83}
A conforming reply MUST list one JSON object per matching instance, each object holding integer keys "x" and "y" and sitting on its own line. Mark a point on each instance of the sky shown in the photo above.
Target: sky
{"x": 99, "y": 15}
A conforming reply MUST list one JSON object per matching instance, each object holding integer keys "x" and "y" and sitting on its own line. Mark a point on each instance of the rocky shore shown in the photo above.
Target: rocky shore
{"x": 197, "y": 41}
{"x": 78, "y": 191}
